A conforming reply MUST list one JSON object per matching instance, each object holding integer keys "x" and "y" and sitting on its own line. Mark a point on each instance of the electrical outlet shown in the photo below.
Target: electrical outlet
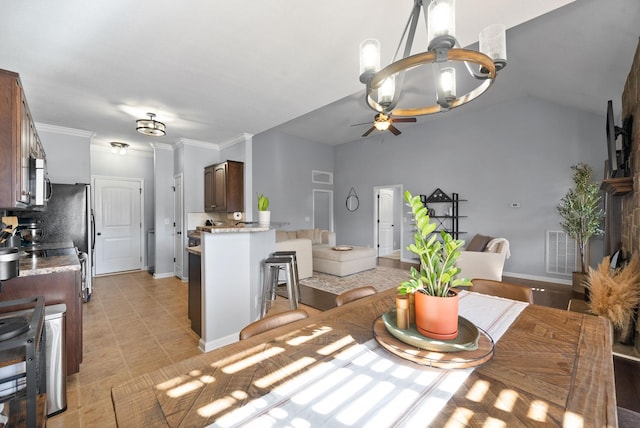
{"x": 515, "y": 204}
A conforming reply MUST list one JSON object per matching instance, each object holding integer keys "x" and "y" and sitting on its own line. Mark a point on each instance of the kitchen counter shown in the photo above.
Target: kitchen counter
{"x": 31, "y": 265}
{"x": 251, "y": 227}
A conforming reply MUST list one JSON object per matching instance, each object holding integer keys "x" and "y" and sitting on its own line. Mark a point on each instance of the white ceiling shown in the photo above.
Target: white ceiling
{"x": 213, "y": 69}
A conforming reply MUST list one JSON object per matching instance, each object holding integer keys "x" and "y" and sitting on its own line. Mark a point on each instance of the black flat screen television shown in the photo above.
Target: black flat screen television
{"x": 612, "y": 134}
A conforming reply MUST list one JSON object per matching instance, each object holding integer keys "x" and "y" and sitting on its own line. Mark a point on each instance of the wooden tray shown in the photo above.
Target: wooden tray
{"x": 444, "y": 360}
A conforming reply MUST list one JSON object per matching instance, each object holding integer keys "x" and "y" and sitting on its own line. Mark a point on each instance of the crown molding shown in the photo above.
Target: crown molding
{"x": 161, "y": 146}
{"x": 130, "y": 150}
{"x": 241, "y": 138}
{"x": 196, "y": 143}
{"x": 65, "y": 131}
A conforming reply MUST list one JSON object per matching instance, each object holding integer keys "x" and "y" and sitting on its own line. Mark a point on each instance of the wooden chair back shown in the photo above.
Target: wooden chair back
{"x": 354, "y": 294}
{"x": 272, "y": 321}
{"x": 503, "y": 289}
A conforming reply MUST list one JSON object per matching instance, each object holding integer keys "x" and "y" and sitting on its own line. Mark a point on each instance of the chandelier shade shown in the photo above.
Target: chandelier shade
{"x": 384, "y": 86}
{"x": 151, "y": 126}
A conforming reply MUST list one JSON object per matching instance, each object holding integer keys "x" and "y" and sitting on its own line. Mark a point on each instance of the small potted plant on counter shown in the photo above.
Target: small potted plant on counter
{"x": 436, "y": 304}
{"x": 264, "y": 215}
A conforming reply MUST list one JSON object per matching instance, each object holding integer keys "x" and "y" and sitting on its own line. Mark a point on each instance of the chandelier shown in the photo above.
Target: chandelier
{"x": 384, "y": 87}
{"x": 150, "y": 126}
{"x": 118, "y": 147}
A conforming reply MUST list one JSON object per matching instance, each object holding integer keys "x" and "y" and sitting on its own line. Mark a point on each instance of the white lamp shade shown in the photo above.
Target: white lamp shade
{"x": 448, "y": 83}
{"x": 441, "y": 19}
{"x": 369, "y": 56}
{"x": 493, "y": 42}
{"x": 387, "y": 90}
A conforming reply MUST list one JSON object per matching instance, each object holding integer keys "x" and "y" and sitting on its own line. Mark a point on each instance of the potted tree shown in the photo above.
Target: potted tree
{"x": 581, "y": 217}
{"x": 264, "y": 215}
{"x": 436, "y": 304}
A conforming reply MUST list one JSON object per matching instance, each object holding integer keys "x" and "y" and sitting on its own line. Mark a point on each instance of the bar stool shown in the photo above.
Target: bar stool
{"x": 272, "y": 267}
{"x": 294, "y": 260}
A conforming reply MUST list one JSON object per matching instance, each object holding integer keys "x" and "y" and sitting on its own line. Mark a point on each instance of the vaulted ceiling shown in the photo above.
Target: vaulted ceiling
{"x": 213, "y": 69}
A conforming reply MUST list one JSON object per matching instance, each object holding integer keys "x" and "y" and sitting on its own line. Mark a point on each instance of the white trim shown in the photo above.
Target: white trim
{"x": 43, "y": 127}
{"x": 218, "y": 343}
{"x": 197, "y": 143}
{"x": 314, "y": 177}
{"x": 376, "y": 190}
{"x": 235, "y": 140}
{"x": 163, "y": 275}
{"x": 161, "y": 146}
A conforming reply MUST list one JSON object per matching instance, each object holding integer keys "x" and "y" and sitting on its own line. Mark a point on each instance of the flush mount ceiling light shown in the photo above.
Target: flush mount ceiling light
{"x": 150, "y": 126}
{"x": 118, "y": 147}
{"x": 384, "y": 87}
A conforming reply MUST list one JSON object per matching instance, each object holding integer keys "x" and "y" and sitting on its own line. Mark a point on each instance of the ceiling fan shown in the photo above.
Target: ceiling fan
{"x": 383, "y": 122}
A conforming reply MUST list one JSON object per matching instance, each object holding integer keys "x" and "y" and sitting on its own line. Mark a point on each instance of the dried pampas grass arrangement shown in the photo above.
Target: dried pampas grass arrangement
{"x": 615, "y": 294}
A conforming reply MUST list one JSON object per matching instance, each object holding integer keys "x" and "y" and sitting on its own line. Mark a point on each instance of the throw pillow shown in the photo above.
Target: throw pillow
{"x": 478, "y": 243}
{"x": 305, "y": 234}
{"x": 317, "y": 236}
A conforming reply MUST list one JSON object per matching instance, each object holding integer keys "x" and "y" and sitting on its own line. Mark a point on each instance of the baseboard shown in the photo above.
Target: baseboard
{"x": 538, "y": 278}
{"x": 218, "y": 343}
{"x": 163, "y": 275}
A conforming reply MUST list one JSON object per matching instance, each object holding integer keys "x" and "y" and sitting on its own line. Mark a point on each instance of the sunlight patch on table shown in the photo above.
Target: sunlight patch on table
{"x": 573, "y": 420}
{"x": 216, "y": 406}
{"x": 299, "y": 340}
{"x": 284, "y": 372}
{"x": 251, "y": 360}
{"x": 491, "y": 422}
{"x": 365, "y": 403}
{"x": 184, "y": 389}
{"x": 336, "y": 345}
{"x": 506, "y": 400}
{"x": 342, "y": 394}
{"x": 460, "y": 417}
{"x": 478, "y": 391}
{"x": 538, "y": 410}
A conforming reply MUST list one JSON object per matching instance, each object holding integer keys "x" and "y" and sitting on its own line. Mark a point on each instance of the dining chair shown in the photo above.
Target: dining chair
{"x": 272, "y": 321}
{"x": 502, "y": 289}
{"x": 354, "y": 294}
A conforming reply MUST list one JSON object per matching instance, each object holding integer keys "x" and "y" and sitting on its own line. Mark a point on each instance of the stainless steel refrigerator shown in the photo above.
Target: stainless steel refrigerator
{"x": 69, "y": 217}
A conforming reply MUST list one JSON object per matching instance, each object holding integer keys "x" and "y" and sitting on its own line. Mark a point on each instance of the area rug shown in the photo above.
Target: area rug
{"x": 381, "y": 278}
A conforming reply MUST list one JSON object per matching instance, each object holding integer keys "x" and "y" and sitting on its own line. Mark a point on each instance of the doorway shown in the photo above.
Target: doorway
{"x": 118, "y": 211}
{"x": 323, "y": 209}
{"x": 387, "y": 234}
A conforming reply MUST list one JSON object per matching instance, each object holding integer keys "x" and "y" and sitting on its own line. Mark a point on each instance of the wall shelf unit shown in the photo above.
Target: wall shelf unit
{"x": 445, "y": 211}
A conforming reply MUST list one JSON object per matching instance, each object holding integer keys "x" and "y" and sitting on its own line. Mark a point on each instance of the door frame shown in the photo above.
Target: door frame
{"x": 397, "y": 213}
{"x": 140, "y": 181}
{"x": 178, "y": 204}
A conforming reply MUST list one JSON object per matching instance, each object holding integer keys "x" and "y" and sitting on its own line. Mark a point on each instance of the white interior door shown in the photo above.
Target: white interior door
{"x": 385, "y": 222}
{"x": 118, "y": 206}
{"x": 178, "y": 241}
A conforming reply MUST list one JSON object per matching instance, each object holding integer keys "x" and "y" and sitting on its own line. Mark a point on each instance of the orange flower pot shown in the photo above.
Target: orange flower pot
{"x": 437, "y": 317}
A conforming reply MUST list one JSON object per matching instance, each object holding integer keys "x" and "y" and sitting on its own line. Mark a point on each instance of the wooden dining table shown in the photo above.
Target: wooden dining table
{"x": 549, "y": 368}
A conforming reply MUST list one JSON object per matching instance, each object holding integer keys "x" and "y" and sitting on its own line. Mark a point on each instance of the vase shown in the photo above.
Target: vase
{"x": 264, "y": 218}
{"x": 437, "y": 317}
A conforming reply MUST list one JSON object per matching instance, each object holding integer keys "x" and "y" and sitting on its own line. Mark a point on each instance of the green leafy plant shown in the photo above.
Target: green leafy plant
{"x": 580, "y": 210}
{"x": 263, "y": 203}
{"x": 438, "y": 272}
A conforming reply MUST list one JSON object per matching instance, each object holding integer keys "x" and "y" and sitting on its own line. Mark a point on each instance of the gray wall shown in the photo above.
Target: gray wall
{"x": 282, "y": 167}
{"x": 68, "y": 154}
{"x": 519, "y": 151}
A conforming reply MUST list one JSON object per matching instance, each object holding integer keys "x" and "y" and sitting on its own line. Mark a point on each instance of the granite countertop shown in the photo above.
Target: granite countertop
{"x": 235, "y": 228}
{"x": 197, "y": 250}
{"x": 30, "y": 266}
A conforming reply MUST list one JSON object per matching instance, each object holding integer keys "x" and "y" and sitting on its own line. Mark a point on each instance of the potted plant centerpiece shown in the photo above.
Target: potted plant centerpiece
{"x": 436, "y": 304}
{"x": 581, "y": 217}
{"x": 264, "y": 215}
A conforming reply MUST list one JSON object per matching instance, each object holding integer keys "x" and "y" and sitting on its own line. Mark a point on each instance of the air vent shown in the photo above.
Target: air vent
{"x": 561, "y": 253}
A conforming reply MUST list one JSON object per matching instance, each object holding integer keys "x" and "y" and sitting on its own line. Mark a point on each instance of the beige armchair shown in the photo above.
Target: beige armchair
{"x": 302, "y": 242}
{"x": 486, "y": 262}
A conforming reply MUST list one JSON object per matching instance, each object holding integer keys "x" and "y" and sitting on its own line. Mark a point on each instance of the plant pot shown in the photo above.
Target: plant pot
{"x": 264, "y": 218}
{"x": 437, "y": 317}
{"x": 578, "y": 279}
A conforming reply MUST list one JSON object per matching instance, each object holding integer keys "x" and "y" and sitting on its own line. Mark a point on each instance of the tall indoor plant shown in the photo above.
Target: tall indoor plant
{"x": 432, "y": 284}
{"x": 581, "y": 214}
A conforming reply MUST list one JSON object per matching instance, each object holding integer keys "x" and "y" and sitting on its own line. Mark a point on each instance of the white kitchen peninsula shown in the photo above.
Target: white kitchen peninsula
{"x": 231, "y": 280}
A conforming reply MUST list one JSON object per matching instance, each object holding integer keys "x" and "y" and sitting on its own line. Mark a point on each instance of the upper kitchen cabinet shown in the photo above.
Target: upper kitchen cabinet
{"x": 224, "y": 187}
{"x": 22, "y": 166}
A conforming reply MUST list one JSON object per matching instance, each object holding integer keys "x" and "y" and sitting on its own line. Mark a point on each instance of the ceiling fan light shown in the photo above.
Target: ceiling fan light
{"x": 448, "y": 83}
{"x": 382, "y": 126}
{"x": 493, "y": 43}
{"x": 150, "y": 126}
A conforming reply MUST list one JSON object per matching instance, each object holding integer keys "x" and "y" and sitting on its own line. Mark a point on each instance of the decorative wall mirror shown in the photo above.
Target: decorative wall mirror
{"x": 352, "y": 200}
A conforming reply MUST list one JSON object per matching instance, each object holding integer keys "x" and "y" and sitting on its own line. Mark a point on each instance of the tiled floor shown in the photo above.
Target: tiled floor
{"x": 133, "y": 324}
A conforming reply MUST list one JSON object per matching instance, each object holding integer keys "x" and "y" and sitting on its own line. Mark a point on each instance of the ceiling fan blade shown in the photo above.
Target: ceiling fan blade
{"x": 404, "y": 119}
{"x": 394, "y": 130}
{"x": 369, "y": 131}
{"x": 360, "y": 124}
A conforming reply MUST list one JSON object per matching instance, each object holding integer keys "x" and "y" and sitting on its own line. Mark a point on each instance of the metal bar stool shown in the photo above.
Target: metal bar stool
{"x": 272, "y": 267}
{"x": 294, "y": 260}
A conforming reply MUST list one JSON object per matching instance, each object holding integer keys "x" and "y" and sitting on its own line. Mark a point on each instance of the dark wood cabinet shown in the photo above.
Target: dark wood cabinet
{"x": 224, "y": 187}
{"x": 58, "y": 287}
{"x": 19, "y": 143}
{"x": 195, "y": 293}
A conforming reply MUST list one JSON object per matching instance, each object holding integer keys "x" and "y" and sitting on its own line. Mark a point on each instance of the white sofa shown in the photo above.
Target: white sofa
{"x": 302, "y": 242}
{"x": 484, "y": 258}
